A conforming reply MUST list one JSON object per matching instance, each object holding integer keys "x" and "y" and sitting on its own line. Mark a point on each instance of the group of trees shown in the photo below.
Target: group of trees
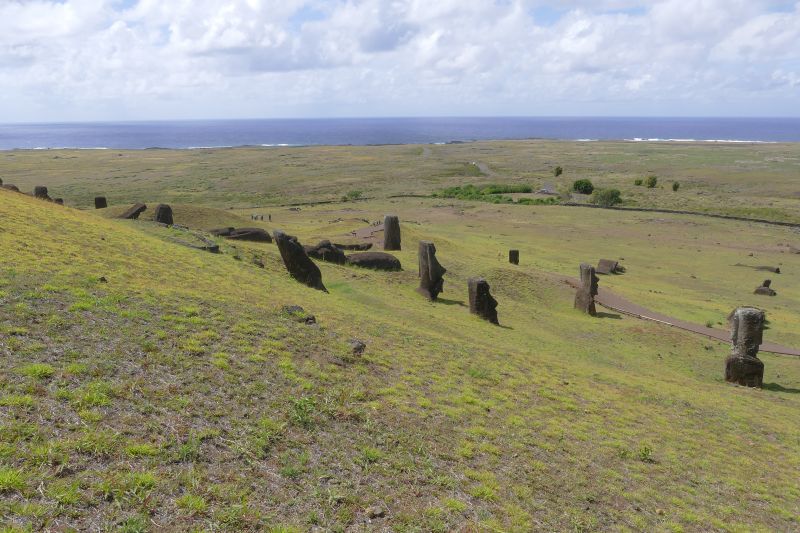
{"x": 607, "y": 197}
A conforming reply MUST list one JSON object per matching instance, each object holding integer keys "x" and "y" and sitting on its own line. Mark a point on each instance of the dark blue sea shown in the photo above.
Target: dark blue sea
{"x": 371, "y": 131}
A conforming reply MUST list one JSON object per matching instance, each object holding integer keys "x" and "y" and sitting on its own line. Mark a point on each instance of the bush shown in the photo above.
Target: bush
{"x": 651, "y": 182}
{"x": 558, "y": 171}
{"x": 638, "y": 182}
{"x": 352, "y": 195}
{"x": 606, "y": 197}
{"x": 583, "y": 187}
{"x": 676, "y": 186}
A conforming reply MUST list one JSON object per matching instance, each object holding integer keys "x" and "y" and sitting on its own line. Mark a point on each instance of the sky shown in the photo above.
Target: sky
{"x": 89, "y": 60}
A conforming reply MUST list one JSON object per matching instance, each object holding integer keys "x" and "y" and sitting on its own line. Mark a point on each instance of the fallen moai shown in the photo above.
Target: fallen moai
{"x": 363, "y": 247}
{"x": 391, "y": 232}
{"x": 584, "y": 297}
{"x": 431, "y": 281}
{"x": 133, "y": 212}
{"x": 297, "y": 262}
{"x": 11, "y": 187}
{"x": 513, "y": 257}
{"x": 326, "y": 252}
{"x": 481, "y": 302}
{"x": 375, "y": 261}
{"x": 59, "y": 201}
{"x": 764, "y": 289}
{"x": 608, "y": 266}
{"x": 743, "y": 365}
{"x": 243, "y": 234}
{"x": 40, "y": 191}
{"x": 774, "y": 270}
{"x": 163, "y": 214}
{"x": 100, "y": 202}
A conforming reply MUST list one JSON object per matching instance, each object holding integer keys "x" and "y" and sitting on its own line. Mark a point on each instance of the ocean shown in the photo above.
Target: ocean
{"x": 375, "y": 131}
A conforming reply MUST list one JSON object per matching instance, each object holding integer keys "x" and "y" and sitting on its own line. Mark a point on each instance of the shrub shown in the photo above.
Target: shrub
{"x": 638, "y": 182}
{"x": 606, "y": 197}
{"x": 676, "y": 186}
{"x": 558, "y": 171}
{"x": 583, "y": 186}
{"x": 651, "y": 182}
{"x": 352, "y": 195}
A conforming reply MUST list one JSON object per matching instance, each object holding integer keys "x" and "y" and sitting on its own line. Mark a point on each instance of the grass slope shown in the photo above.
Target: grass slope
{"x": 176, "y": 395}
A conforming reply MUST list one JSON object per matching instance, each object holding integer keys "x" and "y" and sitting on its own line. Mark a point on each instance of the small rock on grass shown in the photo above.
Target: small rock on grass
{"x": 375, "y": 512}
{"x": 299, "y": 314}
{"x": 357, "y": 346}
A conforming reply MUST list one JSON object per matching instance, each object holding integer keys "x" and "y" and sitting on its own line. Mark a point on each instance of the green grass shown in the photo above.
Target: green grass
{"x": 184, "y": 398}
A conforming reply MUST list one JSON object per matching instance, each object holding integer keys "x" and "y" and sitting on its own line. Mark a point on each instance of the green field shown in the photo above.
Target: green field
{"x": 147, "y": 386}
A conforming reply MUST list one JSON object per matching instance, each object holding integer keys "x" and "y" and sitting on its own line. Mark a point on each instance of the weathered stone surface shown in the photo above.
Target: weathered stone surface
{"x": 608, "y": 266}
{"x": 584, "y": 297}
{"x": 362, "y": 247}
{"x": 59, "y": 201}
{"x": 481, "y": 302}
{"x": 326, "y": 251}
{"x": 375, "y": 260}
{"x": 765, "y": 289}
{"x": 133, "y": 212}
{"x": 513, "y": 257}
{"x": 743, "y": 365}
{"x": 431, "y": 281}
{"x": 11, "y": 187}
{"x": 40, "y": 191}
{"x": 163, "y": 214}
{"x": 391, "y": 232}
{"x": 243, "y": 234}
{"x": 100, "y": 202}
{"x": 297, "y": 262}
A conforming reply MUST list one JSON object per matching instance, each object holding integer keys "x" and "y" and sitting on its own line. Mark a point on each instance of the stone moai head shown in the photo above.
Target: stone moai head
{"x": 767, "y": 283}
{"x": 589, "y": 279}
{"x": 747, "y": 329}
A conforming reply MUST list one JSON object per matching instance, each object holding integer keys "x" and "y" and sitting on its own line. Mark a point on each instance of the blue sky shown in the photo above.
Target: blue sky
{"x": 159, "y": 59}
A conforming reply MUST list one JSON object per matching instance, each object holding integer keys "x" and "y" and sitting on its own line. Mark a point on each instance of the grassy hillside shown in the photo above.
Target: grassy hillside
{"x": 176, "y": 394}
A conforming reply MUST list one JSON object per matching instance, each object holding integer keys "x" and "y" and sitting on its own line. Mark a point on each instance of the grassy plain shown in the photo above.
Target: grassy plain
{"x": 176, "y": 394}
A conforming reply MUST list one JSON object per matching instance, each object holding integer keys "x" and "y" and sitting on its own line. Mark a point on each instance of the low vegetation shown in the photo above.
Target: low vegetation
{"x": 147, "y": 386}
{"x": 583, "y": 186}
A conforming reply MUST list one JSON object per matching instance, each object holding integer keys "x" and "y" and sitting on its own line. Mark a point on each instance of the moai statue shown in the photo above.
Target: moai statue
{"x": 391, "y": 232}
{"x": 431, "y": 282}
{"x": 100, "y": 202}
{"x": 297, "y": 261}
{"x": 743, "y": 365}
{"x": 481, "y": 302}
{"x": 163, "y": 214}
{"x": 59, "y": 201}
{"x": 513, "y": 257}
{"x": 133, "y": 212}
{"x": 765, "y": 289}
{"x": 584, "y": 297}
{"x": 40, "y": 191}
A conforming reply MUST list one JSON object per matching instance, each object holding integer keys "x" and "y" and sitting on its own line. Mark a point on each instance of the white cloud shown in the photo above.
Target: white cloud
{"x": 107, "y": 59}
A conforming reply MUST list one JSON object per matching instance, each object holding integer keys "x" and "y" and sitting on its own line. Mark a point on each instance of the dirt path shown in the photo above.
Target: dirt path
{"x": 617, "y": 303}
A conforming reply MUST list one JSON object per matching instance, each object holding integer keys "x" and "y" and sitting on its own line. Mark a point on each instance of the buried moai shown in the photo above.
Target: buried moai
{"x": 513, "y": 257}
{"x": 297, "y": 262}
{"x": 743, "y": 365}
{"x": 481, "y": 302}
{"x": 163, "y": 214}
{"x": 765, "y": 289}
{"x": 391, "y": 232}
{"x": 431, "y": 282}
{"x": 40, "y": 191}
{"x": 100, "y": 202}
{"x": 584, "y": 297}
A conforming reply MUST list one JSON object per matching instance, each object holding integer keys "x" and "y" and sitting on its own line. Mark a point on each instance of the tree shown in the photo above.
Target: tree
{"x": 638, "y": 182}
{"x": 651, "y": 182}
{"x": 583, "y": 186}
{"x": 606, "y": 197}
{"x": 558, "y": 171}
{"x": 676, "y": 186}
